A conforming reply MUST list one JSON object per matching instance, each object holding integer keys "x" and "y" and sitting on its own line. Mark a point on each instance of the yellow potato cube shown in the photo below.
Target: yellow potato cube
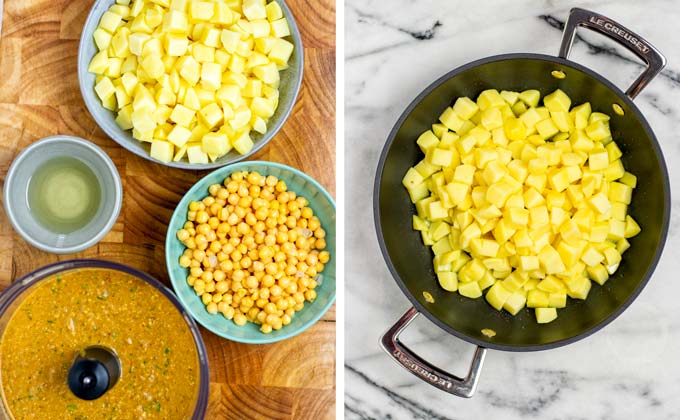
{"x": 201, "y": 10}
{"x": 279, "y": 28}
{"x": 274, "y": 11}
{"x": 538, "y": 216}
{"x": 515, "y": 303}
{"x": 546, "y": 128}
{"x": 528, "y": 263}
{"x": 545, "y": 315}
{"x": 515, "y": 129}
{"x": 617, "y": 230}
{"x": 464, "y": 174}
{"x": 124, "y": 117}
{"x": 153, "y": 66}
{"x": 598, "y": 273}
{"x": 491, "y": 118}
{"x": 598, "y": 130}
{"x": 161, "y": 150}
{"x": 102, "y": 39}
{"x": 211, "y": 76}
{"x": 600, "y": 202}
{"x": 211, "y": 115}
{"x": 215, "y": 144}
{"x": 440, "y": 157}
{"x": 550, "y": 260}
{"x": 268, "y": 73}
{"x": 557, "y": 101}
{"x": 105, "y": 89}
{"x": 448, "y": 281}
{"x": 230, "y": 40}
{"x": 530, "y": 97}
{"x": 189, "y": 69}
{"x": 191, "y": 99}
{"x": 632, "y": 228}
{"x": 497, "y": 296}
{"x": 598, "y": 159}
{"x": 464, "y": 108}
{"x": 629, "y": 179}
{"x": 490, "y": 98}
{"x": 182, "y": 115}
{"x": 537, "y": 299}
{"x": 470, "y": 290}
{"x": 591, "y": 256}
{"x": 427, "y": 141}
{"x": 280, "y": 51}
{"x": 179, "y": 136}
{"x": 243, "y": 144}
{"x": 203, "y": 53}
{"x": 196, "y": 154}
{"x": 110, "y": 21}
{"x": 175, "y": 21}
{"x": 619, "y": 192}
{"x": 176, "y": 45}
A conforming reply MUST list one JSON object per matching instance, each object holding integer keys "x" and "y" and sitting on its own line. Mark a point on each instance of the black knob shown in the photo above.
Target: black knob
{"x": 94, "y": 371}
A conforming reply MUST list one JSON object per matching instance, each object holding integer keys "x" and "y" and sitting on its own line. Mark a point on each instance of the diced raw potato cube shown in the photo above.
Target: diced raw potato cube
{"x": 598, "y": 273}
{"x": 196, "y": 154}
{"x": 179, "y": 136}
{"x": 110, "y": 21}
{"x": 557, "y": 300}
{"x": 557, "y": 101}
{"x": 470, "y": 290}
{"x": 550, "y": 260}
{"x": 629, "y": 180}
{"x": 619, "y": 192}
{"x": 182, "y": 115}
{"x": 99, "y": 63}
{"x": 189, "y": 69}
{"x": 161, "y": 150}
{"x": 279, "y": 28}
{"x": 105, "y": 89}
{"x": 530, "y": 97}
{"x": 497, "y": 296}
{"x": 211, "y": 115}
{"x": 537, "y": 299}
{"x": 598, "y": 159}
{"x": 622, "y": 245}
{"x": 448, "y": 281}
{"x": 201, "y": 10}
{"x": 216, "y": 144}
{"x": 243, "y": 144}
{"x": 545, "y": 315}
{"x": 464, "y": 174}
{"x": 546, "y": 128}
{"x": 632, "y": 228}
{"x": 464, "y": 108}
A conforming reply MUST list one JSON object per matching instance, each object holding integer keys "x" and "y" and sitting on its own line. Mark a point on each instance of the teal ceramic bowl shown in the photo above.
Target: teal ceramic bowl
{"x": 324, "y": 208}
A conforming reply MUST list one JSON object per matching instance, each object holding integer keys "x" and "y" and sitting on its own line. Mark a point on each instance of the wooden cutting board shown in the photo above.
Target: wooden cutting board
{"x": 39, "y": 96}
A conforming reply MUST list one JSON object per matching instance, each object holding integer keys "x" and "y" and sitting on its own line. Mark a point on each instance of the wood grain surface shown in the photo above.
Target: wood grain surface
{"x": 39, "y": 96}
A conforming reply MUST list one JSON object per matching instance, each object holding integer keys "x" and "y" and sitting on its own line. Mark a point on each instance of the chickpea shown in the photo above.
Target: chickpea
{"x": 211, "y": 307}
{"x": 266, "y": 328}
{"x": 240, "y": 319}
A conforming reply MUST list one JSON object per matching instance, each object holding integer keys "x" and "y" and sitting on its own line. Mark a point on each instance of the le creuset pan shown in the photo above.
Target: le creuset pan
{"x": 410, "y": 262}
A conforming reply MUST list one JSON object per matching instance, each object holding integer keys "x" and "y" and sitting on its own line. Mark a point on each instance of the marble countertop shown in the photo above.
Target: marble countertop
{"x": 630, "y": 369}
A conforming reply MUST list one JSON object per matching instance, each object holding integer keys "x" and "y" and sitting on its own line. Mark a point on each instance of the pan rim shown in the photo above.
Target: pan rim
{"x": 378, "y": 226}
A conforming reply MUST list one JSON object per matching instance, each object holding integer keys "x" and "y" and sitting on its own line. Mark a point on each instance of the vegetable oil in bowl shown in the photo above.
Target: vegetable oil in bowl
{"x": 64, "y": 194}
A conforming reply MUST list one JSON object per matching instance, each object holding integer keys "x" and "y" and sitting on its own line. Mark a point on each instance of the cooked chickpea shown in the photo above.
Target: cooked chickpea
{"x": 252, "y": 250}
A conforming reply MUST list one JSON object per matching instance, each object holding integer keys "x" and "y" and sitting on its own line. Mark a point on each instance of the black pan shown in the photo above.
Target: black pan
{"x": 410, "y": 262}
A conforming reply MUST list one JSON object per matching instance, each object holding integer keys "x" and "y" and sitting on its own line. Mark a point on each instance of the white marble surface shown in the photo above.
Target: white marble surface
{"x": 629, "y": 370}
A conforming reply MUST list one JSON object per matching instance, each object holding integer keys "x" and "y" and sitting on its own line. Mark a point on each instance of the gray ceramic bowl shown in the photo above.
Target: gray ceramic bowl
{"x": 16, "y": 187}
{"x": 291, "y": 80}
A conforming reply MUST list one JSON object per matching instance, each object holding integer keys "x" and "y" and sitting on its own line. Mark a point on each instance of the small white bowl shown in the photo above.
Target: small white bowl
{"x": 15, "y": 194}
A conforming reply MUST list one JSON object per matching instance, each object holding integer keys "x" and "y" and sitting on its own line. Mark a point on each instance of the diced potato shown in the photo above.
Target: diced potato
{"x": 161, "y": 150}
{"x": 531, "y": 220}
{"x": 545, "y": 315}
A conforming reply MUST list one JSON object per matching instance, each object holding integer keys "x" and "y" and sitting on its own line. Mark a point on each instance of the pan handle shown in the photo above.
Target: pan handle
{"x": 633, "y": 42}
{"x": 460, "y": 387}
